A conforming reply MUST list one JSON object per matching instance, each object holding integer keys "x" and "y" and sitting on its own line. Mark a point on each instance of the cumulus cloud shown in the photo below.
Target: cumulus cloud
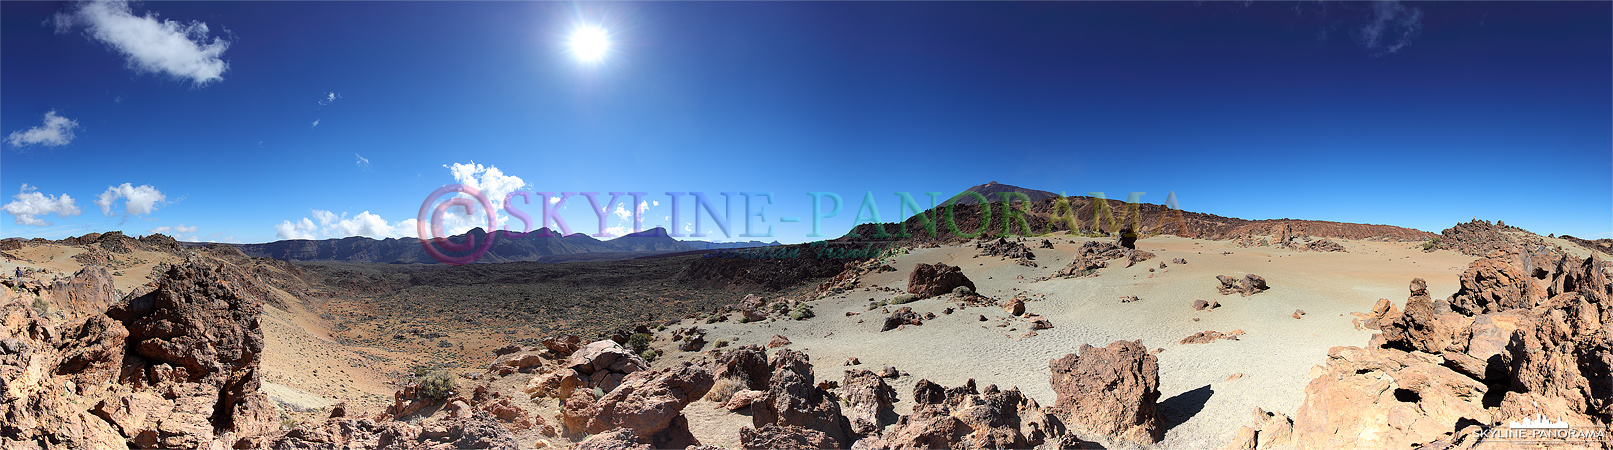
{"x": 1391, "y": 27}
{"x": 138, "y": 200}
{"x": 181, "y": 228}
{"x": 494, "y": 184}
{"x": 181, "y": 50}
{"x": 326, "y": 224}
{"x": 30, "y": 204}
{"x": 56, "y": 131}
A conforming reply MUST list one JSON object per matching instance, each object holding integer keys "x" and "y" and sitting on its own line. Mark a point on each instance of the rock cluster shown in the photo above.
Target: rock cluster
{"x": 1510, "y": 344}
{"x": 1014, "y": 250}
{"x": 1094, "y": 255}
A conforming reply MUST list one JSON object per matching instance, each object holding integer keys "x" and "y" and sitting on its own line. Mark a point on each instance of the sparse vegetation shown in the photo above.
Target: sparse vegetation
{"x": 720, "y": 343}
{"x": 903, "y": 299}
{"x": 1431, "y": 244}
{"x": 438, "y": 384}
{"x": 41, "y": 306}
{"x": 962, "y": 290}
{"x": 640, "y": 343}
{"x": 648, "y": 355}
{"x": 724, "y": 389}
{"x": 802, "y": 312}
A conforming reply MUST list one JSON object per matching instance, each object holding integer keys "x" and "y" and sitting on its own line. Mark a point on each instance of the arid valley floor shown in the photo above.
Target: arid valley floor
{"x": 1370, "y": 342}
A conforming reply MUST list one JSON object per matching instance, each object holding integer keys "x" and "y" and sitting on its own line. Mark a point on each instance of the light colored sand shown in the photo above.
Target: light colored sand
{"x": 1201, "y": 408}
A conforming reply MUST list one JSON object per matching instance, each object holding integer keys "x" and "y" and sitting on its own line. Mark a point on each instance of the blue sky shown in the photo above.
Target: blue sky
{"x": 257, "y": 121}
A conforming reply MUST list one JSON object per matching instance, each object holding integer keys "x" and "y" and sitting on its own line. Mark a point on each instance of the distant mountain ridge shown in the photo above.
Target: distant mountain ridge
{"x": 542, "y": 245}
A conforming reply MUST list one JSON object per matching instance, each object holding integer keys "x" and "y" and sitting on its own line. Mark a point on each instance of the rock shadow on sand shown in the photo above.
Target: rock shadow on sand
{"x": 1181, "y": 407}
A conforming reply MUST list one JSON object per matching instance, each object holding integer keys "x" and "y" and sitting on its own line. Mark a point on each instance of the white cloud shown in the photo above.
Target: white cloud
{"x": 332, "y": 225}
{"x": 494, "y": 184}
{"x": 181, "y": 228}
{"x": 181, "y": 50}
{"x": 140, "y": 200}
{"x": 30, "y": 203}
{"x": 56, "y": 131}
{"x": 330, "y": 97}
{"x": 316, "y": 123}
{"x": 1392, "y": 27}
{"x": 362, "y": 162}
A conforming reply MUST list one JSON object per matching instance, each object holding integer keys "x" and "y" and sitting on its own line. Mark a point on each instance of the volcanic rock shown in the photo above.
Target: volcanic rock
{"x": 793, "y": 399}
{"x": 1112, "y": 391}
{"x": 903, "y": 316}
{"x": 929, "y": 280}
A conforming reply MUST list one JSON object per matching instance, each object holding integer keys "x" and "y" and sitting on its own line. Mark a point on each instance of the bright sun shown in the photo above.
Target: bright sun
{"x": 589, "y": 43}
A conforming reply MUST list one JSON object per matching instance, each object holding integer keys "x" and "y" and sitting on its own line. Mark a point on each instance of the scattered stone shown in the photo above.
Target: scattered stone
{"x": 852, "y": 361}
{"x": 1205, "y": 337}
{"x": 1128, "y": 298}
{"x": 1298, "y": 312}
{"x": 1015, "y": 307}
{"x": 778, "y": 341}
{"x": 1250, "y": 284}
{"x": 902, "y": 317}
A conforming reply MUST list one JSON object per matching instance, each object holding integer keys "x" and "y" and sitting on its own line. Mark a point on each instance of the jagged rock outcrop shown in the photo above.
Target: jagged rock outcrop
{"x": 173, "y": 365}
{"x": 961, "y": 417}
{"x": 1250, "y": 284}
{"x": 793, "y": 399}
{"x": 1111, "y": 391}
{"x": 1512, "y": 343}
{"x": 929, "y": 280}
{"x": 748, "y": 364}
{"x": 868, "y": 401}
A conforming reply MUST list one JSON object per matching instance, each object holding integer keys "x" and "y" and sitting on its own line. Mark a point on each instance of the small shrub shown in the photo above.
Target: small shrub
{"x": 724, "y": 389}
{"x": 902, "y": 299}
{"x": 41, "y": 306}
{"x": 661, "y": 327}
{"x": 649, "y": 355}
{"x": 640, "y": 343}
{"x": 438, "y": 384}
{"x": 1431, "y": 243}
{"x": 802, "y": 312}
{"x": 962, "y": 290}
{"x": 444, "y": 344}
{"x": 720, "y": 343}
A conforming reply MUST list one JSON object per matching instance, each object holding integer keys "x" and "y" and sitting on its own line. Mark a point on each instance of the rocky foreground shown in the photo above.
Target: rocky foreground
{"x": 175, "y": 364}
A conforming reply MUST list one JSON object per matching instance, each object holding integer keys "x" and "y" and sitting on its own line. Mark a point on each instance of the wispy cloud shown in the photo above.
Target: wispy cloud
{"x": 30, "y": 204}
{"x": 56, "y": 131}
{"x": 362, "y": 162}
{"x": 1391, "y": 27}
{"x": 181, "y": 228}
{"x": 181, "y": 50}
{"x": 316, "y": 123}
{"x": 138, "y": 200}
{"x": 330, "y": 97}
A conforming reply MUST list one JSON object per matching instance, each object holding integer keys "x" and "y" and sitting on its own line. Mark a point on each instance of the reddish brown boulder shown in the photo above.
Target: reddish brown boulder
{"x": 1112, "y": 391}
{"x": 778, "y": 341}
{"x": 1015, "y": 306}
{"x": 651, "y": 404}
{"x": 868, "y": 401}
{"x": 1420, "y": 327}
{"x": 929, "y": 280}
{"x": 622, "y": 439}
{"x": 604, "y": 364}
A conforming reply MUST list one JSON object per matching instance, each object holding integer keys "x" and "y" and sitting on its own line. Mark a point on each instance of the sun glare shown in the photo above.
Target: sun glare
{"x": 589, "y": 43}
